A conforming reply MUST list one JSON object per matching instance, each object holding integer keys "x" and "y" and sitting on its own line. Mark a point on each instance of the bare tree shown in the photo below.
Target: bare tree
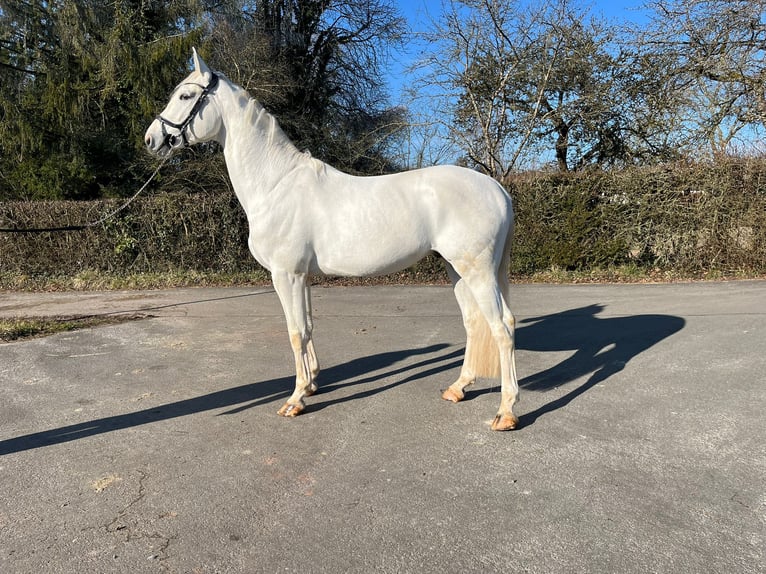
{"x": 713, "y": 64}
{"x": 331, "y": 54}
{"x": 470, "y": 69}
{"x": 522, "y": 79}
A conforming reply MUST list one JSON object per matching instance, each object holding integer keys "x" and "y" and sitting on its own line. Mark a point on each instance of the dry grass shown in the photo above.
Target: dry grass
{"x": 17, "y": 328}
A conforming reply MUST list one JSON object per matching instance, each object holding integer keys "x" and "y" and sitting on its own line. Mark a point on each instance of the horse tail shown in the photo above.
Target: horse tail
{"x": 482, "y": 356}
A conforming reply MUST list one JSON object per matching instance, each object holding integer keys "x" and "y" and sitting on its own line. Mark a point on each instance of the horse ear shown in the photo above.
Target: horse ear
{"x": 199, "y": 64}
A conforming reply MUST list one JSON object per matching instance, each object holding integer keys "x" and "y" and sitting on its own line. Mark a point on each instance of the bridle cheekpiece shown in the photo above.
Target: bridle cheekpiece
{"x": 170, "y": 140}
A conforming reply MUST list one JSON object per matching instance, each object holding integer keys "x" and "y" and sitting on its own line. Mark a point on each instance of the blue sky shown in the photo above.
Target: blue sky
{"x": 416, "y": 10}
{"x": 419, "y": 13}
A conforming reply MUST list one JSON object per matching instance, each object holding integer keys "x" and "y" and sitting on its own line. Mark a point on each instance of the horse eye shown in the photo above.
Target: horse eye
{"x": 186, "y": 97}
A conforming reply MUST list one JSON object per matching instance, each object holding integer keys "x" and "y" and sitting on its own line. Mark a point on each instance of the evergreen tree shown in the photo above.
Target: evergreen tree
{"x": 81, "y": 79}
{"x": 78, "y": 80}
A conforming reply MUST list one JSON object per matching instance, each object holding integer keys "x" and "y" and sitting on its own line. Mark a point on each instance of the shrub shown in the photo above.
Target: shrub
{"x": 690, "y": 218}
{"x": 687, "y": 218}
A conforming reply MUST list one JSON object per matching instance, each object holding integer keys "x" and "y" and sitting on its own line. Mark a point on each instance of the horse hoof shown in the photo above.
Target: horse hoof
{"x": 290, "y": 410}
{"x": 452, "y": 395}
{"x": 504, "y": 423}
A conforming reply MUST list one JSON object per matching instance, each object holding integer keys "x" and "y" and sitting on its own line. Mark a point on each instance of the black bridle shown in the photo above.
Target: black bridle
{"x": 170, "y": 140}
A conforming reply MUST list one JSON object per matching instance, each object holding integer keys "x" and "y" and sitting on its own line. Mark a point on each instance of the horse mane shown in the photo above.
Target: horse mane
{"x": 266, "y": 124}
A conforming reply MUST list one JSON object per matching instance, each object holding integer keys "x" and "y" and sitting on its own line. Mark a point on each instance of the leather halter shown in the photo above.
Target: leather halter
{"x": 170, "y": 140}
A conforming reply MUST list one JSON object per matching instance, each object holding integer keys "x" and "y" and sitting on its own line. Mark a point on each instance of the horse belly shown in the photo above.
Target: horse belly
{"x": 373, "y": 248}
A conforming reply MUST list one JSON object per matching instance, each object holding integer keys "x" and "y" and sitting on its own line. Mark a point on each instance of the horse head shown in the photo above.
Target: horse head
{"x": 189, "y": 117}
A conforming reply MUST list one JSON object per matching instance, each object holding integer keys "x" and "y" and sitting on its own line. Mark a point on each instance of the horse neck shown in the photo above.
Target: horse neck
{"x": 258, "y": 153}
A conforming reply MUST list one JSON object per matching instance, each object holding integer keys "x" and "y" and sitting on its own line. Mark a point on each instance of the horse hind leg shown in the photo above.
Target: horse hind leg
{"x": 509, "y": 389}
{"x": 481, "y": 358}
{"x": 487, "y": 293}
{"x": 505, "y": 419}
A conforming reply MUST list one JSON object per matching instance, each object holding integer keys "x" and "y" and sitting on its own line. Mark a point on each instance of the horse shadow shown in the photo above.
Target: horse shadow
{"x": 602, "y": 347}
{"x": 370, "y": 368}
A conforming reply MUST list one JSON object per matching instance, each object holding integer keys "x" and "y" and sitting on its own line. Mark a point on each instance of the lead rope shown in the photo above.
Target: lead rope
{"x": 90, "y": 224}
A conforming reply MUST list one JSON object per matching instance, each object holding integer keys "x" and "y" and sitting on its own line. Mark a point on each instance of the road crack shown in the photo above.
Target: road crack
{"x": 132, "y": 529}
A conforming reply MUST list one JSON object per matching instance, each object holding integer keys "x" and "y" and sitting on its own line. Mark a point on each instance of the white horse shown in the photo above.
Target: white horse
{"x": 306, "y": 217}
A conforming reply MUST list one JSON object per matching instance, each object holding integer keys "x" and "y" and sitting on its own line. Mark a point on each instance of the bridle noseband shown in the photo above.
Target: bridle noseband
{"x": 170, "y": 140}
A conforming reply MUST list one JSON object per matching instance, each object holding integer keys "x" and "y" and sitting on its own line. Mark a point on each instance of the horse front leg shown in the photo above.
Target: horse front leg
{"x": 293, "y": 293}
{"x": 313, "y": 361}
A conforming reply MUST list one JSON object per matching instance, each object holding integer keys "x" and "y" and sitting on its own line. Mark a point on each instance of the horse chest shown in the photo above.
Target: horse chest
{"x": 279, "y": 244}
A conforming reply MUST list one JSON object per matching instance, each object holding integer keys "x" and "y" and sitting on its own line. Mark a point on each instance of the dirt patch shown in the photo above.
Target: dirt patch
{"x": 102, "y": 484}
{"x": 18, "y": 328}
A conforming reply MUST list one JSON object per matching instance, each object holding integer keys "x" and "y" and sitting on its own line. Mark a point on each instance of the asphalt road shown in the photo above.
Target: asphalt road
{"x": 154, "y": 445}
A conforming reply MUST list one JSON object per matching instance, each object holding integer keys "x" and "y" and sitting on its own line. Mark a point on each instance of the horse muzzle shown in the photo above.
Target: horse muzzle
{"x": 161, "y": 142}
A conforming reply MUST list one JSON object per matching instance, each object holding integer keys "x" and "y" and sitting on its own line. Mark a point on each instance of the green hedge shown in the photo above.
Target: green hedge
{"x": 688, "y": 218}
{"x": 154, "y": 234}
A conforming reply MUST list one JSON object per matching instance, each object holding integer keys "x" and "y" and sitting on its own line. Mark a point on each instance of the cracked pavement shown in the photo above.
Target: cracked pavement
{"x": 153, "y": 446}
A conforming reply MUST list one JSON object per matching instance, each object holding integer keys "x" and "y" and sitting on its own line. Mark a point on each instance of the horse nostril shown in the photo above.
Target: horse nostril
{"x": 149, "y": 141}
